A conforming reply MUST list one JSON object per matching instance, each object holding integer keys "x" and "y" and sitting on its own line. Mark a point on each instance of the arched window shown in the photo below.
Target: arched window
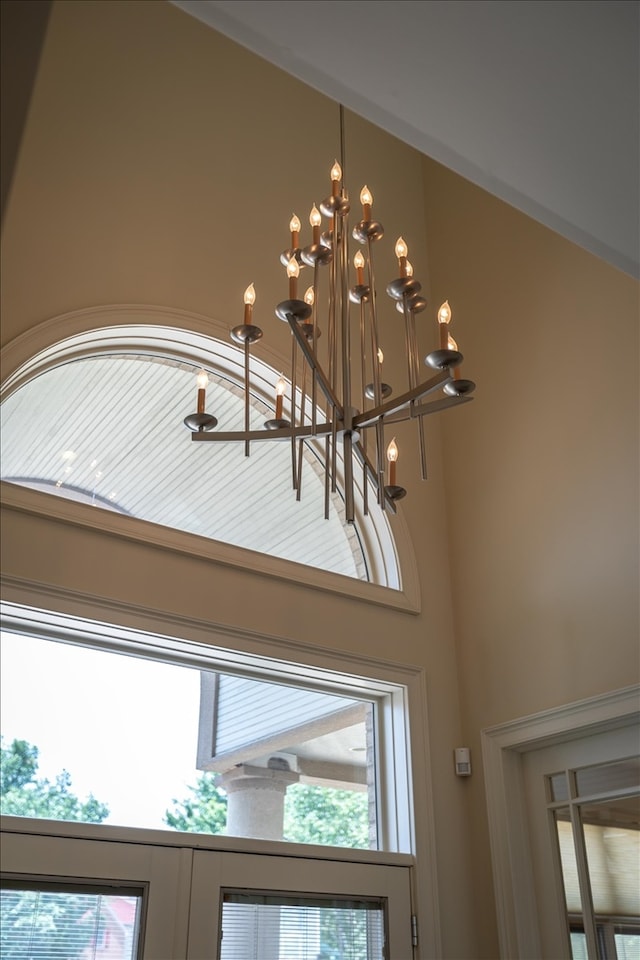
{"x": 98, "y": 418}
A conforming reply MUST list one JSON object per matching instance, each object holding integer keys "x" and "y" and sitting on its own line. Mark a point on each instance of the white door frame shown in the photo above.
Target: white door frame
{"x": 502, "y": 749}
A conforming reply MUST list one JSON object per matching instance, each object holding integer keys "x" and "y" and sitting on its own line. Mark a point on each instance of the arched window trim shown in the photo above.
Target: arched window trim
{"x": 196, "y": 340}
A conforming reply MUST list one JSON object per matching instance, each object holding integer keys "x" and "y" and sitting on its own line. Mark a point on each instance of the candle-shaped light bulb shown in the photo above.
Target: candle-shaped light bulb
{"x": 249, "y": 300}
{"x": 380, "y": 355}
{"x": 444, "y": 313}
{"x": 358, "y": 262}
{"x": 392, "y": 457}
{"x": 315, "y": 219}
{"x": 401, "y": 253}
{"x": 294, "y": 227}
{"x": 281, "y": 387}
{"x": 444, "y": 317}
{"x": 202, "y": 379}
{"x": 408, "y": 268}
{"x": 401, "y": 248}
{"x": 336, "y": 177}
{"x": 293, "y": 272}
{"x": 366, "y": 199}
{"x": 452, "y": 345}
{"x": 309, "y": 296}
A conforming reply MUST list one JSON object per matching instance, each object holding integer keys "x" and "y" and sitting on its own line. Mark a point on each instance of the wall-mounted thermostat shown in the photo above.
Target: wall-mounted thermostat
{"x": 463, "y": 761}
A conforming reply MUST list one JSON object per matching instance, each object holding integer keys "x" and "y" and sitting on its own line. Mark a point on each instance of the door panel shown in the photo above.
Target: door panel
{"x": 164, "y": 872}
{"x": 213, "y": 872}
{"x": 538, "y": 765}
{"x": 182, "y": 887}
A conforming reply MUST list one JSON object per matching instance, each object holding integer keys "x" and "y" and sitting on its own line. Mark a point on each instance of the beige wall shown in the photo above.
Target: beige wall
{"x": 542, "y": 474}
{"x": 145, "y": 131}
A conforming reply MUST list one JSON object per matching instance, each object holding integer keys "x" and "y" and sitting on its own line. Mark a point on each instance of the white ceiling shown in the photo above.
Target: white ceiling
{"x": 536, "y": 102}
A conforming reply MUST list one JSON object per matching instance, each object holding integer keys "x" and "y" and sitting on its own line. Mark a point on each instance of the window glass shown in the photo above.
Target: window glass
{"x": 256, "y": 926}
{"x": 100, "y": 737}
{"x": 627, "y": 942}
{"x": 40, "y": 921}
{"x": 108, "y": 431}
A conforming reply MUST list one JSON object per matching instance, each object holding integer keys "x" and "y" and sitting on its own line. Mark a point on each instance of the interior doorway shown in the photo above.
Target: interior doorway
{"x": 531, "y": 914}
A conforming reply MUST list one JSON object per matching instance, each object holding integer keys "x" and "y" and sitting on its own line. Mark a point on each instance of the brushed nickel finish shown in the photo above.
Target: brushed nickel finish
{"x": 359, "y": 293}
{"x": 286, "y": 256}
{"x": 459, "y": 388}
{"x": 368, "y": 230}
{"x": 403, "y": 287}
{"x": 293, "y": 309}
{"x": 316, "y": 253}
{"x": 370, "y": 391}
{"x": 335, "y": 206}
{"x": 442, "y": 359}
{"x": 279, "y": 424}
{"x": 415, "y": 304}
{"x": 197, "y": 422}
{"x": 246, "y": 333}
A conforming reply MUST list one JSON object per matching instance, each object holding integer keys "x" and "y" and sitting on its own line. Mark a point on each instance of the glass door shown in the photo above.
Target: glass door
{"x": 66, "y": 897}
{"x": 83, "y": 898}
{"x": 255, "y": 907}
{"x": 584, "y": 818}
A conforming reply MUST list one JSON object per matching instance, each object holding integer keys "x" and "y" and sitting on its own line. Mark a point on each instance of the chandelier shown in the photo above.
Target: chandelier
{"x": 324, "y": 407}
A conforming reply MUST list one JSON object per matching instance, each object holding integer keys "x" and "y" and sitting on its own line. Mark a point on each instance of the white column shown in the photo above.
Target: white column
{"x": 255, "y": 800}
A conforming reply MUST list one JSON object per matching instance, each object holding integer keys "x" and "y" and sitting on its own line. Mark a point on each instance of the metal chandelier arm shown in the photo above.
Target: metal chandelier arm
{"x": 369, "y": 417}
{"x": 312, "y": 360}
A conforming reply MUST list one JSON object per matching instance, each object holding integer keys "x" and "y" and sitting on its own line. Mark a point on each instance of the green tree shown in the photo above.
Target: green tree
{"x": 24, "y": 794}
{"x": 337, "y": 818}
{"x": 312, "y": 814}
{"x": 37, "y": 925}
{"x": 203, "y": 811}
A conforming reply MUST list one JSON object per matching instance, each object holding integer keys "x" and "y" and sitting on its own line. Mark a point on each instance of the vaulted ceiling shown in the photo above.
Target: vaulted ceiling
{"x": 538, "y": 103}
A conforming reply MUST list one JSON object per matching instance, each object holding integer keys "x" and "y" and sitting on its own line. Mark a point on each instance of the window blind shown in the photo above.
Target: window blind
{"x": 257, "y": 926}
{"x": 41, "y": 921}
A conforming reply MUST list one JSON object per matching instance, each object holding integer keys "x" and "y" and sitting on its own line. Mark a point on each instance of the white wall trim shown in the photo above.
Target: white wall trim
{"x": 107, "y": 522}
{"x": 503, "y": 747}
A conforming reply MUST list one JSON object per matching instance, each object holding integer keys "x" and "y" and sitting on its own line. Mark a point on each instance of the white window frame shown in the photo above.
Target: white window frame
{"x": 402, "y": 762}
{"x": 199, "y": 340}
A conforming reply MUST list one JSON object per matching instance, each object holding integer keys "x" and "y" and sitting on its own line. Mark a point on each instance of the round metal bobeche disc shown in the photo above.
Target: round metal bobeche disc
{"x": 370, "y": 391}
{"x": 297, "y": 309}
{"x": 332, "y": 205}
{"x": 197, "y": 422}
{"x": 416, "y": 304}
{"x": 246, "y": 333}
{"x": 276, "y": 424}
{"x": 403, "y": 287}
{"x": 441, "y": 359}
{"x": 368, "y": 230}
{"x": 395, "y": 492}
{"x": 458, "y": 388}
{"x": 307, "y": 330}
{"x": 359, "y": 293}
{"x": 316, "y": 253}
{"x": 286, "y": 255}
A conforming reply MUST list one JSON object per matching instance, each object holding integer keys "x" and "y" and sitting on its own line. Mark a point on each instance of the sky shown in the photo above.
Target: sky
{"x": 124, "y": 728}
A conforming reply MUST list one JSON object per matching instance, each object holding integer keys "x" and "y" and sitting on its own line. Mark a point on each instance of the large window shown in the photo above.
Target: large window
{"x": 115, "y": 734}
{"x": 98, "y": 418}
